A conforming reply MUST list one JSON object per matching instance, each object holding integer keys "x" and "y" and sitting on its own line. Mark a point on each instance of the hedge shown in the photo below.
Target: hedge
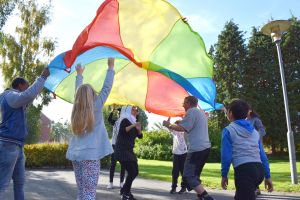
{"x": 51, "y": 155}
{"x": 157, "y": 145}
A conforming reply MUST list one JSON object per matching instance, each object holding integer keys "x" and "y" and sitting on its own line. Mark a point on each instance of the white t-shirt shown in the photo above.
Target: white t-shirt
{"x": 179, "y": 145}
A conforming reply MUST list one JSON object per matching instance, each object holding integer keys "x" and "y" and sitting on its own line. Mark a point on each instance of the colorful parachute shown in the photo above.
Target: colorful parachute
{"x": 159, "y": 59}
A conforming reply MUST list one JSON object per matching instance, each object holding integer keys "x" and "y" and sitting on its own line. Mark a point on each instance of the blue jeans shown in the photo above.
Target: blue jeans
{"x": 12, "y": 166}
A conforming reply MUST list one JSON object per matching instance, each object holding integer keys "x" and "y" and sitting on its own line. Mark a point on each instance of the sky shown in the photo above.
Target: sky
{"x": 69, "y": 18}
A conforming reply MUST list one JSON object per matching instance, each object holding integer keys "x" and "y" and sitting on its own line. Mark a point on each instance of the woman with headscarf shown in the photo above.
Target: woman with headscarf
{"x": 129, "y": 129}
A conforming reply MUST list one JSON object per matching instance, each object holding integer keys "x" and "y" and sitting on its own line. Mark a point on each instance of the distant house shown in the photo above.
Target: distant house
{"x": 45, "y": 129}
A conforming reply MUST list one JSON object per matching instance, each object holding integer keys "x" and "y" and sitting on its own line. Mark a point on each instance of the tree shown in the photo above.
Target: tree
{"x": 229, "y": 56}
{"x": 24, "y": 54}
{"x": 291, "y": 56}
{"x": 106, "y": 111}
{"x": 143, "y": 118}
{"x": 261, "y": 86}
{"x": 6, "y": 7}
{"x": 60, "y": 131}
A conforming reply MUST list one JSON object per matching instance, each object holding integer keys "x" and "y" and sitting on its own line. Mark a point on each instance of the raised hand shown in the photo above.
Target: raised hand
{"x": 111, "y": 63}
{"x": 45, "y": 73}
{"x": 166, "y": 123}
{"x": 79, "y": 68}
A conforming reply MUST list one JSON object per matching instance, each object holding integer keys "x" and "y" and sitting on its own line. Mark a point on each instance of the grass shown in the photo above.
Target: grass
{"x": 161, "y": 170}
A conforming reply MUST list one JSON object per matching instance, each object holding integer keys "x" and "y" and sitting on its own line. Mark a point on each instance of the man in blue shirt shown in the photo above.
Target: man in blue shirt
{"x": 13, "y": 131}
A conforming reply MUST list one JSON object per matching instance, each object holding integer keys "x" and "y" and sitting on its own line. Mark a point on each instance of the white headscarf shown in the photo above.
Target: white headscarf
{"x": 125, "y": 113}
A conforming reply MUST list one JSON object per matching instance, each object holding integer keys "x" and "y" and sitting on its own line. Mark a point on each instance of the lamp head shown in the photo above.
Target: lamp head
{"x": 276, "y": 29}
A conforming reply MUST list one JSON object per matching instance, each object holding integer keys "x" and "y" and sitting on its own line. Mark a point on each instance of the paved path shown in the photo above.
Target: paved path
{"x": 60, "y": 185}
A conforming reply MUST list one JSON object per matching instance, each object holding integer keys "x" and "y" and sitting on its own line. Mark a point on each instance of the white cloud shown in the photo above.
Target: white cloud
{"x": 203, "y": 24}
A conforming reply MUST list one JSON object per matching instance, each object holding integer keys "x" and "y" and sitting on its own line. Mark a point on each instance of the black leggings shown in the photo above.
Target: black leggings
{"x": 113, "y": 164}
{"x": 247, "y": 178}
{"x": 178, "y": 166}
{"x": 132, "y": 172}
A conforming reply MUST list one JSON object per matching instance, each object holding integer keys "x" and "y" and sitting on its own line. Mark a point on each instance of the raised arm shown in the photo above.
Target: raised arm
{"x": 79, "y": 77}
{"x": 108, "y": 82}
{"x": 258, "y": 125}
{"x": 19, "y": 99}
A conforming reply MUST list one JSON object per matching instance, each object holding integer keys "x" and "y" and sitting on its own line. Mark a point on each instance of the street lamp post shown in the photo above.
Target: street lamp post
{"x": 276, "y": 29}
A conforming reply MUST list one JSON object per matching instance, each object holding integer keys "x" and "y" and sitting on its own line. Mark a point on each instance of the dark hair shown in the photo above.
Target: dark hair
{"x": 239, "y": 109}
{"x": 253, "y": 114}
{"x": 17, "y": 81}
{"x": 192, "y": 100}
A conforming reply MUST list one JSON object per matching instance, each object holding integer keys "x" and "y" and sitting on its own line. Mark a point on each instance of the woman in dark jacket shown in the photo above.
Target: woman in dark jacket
{"x": 129, "y": 129}
{"x": 256, "y": 122}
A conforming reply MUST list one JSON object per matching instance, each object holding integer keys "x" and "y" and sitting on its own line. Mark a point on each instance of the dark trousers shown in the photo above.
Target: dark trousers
{"x": 178, "y": 166}
{"x": 113, "y": 164}
{"x": 247, "y": 178}
{"x": 193, "y": 166}
{"x": 132, "y": 171}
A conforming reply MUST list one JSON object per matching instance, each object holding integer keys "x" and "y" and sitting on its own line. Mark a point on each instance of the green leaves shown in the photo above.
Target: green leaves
{"x": 251, "y": 72}
{"x": 26, "y": 53}
{"x": 6, "y": 7}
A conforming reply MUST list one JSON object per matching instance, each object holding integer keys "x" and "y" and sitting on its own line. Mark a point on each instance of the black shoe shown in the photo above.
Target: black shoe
{"x": 182, "y": 191}
{"x": 125, "y": 197}
{"x": 121, "y": 191}
{"x": 257, "y": 192}
{"x": 204, "y": 197}
{"x": 128, "y": 197}
{"x": 173, "y": 191}
{"x": 131, "y": 196}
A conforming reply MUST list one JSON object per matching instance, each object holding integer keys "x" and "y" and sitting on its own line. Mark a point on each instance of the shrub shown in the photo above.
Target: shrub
{"x": 155, "y": 145}
{"x": 50, "y": 155}
{"x": 215, "y": 138}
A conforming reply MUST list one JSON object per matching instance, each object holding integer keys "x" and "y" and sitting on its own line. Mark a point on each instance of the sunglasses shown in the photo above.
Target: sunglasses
{"x": 135, "y": 109}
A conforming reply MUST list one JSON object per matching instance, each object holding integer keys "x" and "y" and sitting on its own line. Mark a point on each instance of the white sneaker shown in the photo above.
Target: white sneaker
{"x": 110, "y": 186}
{"x": 121, "y": 185}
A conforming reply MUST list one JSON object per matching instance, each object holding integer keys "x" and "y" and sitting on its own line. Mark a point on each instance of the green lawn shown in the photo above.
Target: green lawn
{"x": 161, "y": 170}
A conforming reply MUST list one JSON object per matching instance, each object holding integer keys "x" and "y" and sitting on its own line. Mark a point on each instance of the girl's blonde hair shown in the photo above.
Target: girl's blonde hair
{"x": 82, "y": 118}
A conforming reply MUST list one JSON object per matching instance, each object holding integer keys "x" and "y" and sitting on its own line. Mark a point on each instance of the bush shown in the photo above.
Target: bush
{"x": 215, "y": 139}
{"x": 50, "y": 155}
{"x": 155, "y": 145}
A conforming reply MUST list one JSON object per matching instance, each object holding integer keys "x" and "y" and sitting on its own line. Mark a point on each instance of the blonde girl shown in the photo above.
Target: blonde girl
{"x": 90, "y": 140}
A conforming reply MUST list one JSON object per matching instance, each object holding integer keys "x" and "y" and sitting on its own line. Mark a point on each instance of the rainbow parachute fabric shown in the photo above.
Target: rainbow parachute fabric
{"x": 159, "y": 59}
